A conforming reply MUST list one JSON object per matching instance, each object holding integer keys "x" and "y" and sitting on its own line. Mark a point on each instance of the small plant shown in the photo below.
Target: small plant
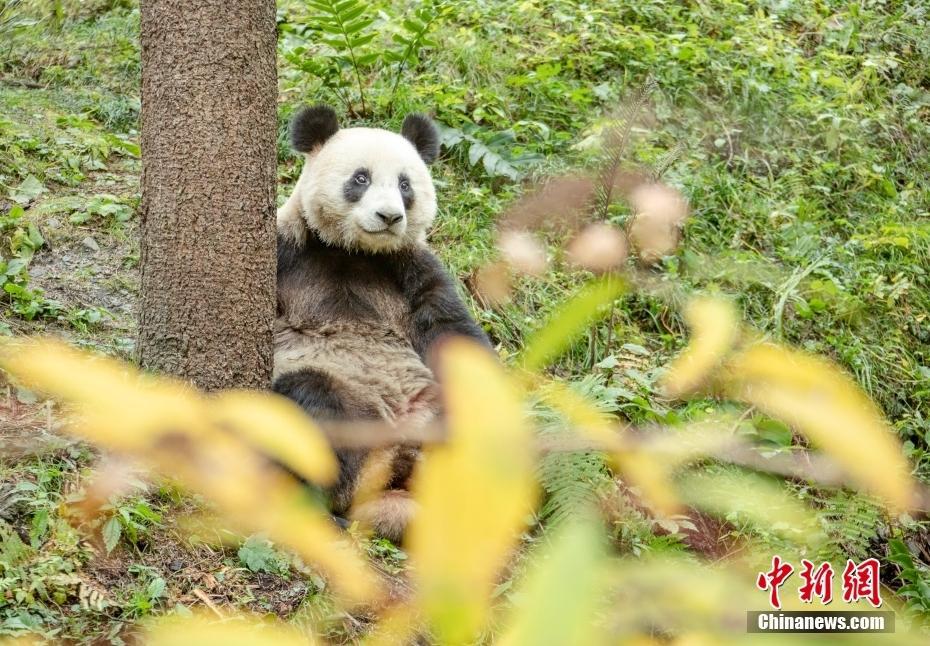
{"x": 390, "y": 557}
{"x": 259, "y": 555}
{"x": 495, "y": 151}
{"x": 915, "y": 578}
{"x": 149, "y": 595}
{"x": 345, "y": 28}
{"x": 108, "y": 208}
{"x": 131, "y": 517}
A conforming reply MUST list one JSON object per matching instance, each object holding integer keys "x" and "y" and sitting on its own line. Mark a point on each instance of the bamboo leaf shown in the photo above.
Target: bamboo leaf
{"x": 358, "y": 26}
{"x": 353, "y": 13}
{"x": 368, "y": 59}
{"x": 361, "y": 40}
{"x": 411, "y": 24}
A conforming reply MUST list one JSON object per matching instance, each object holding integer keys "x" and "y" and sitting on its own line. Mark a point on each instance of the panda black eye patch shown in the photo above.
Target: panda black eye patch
{"x": 354, "y": 188}
{"x": 406, "y": 190}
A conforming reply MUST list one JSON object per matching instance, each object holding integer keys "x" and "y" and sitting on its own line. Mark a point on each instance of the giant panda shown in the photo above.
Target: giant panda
{"x": 361, "y": 300}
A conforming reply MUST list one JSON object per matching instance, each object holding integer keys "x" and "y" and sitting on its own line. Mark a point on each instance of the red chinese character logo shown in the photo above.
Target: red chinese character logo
{"x": 862, "y": 582}
{"x": 774, "y": 579}
{"x": 817, "y": 582}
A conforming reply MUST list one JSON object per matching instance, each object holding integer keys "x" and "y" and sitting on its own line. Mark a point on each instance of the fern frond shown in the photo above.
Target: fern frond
{"x": 852, "y": 523}
{"x": 616, "y": 140}
{"x": 343, "y": 24}
{"x": 572, "y": 480}
{"x": 666, "y": 161}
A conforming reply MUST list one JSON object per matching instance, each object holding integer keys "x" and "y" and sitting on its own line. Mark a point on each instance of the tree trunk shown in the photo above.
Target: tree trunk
{"x": 209, "y": 130}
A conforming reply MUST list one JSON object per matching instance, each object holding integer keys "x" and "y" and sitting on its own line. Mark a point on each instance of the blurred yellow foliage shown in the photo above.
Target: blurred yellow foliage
{"x": 714, "y": 330}
{"x": 203, "y": 630}
{"x": 196, "y": 439}
{"x": 477, "y": 493}
{"x": 827, "y": 406}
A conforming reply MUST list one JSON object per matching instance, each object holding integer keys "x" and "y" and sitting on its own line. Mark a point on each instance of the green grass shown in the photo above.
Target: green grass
{"x": 800, "y": 136}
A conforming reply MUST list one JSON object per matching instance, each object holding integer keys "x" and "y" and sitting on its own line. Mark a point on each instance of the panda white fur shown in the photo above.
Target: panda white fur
{"x": 361, "y": 299}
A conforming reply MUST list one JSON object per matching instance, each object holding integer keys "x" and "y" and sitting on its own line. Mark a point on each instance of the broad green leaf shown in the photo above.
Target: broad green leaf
{"x": 15, "y": 266}
{"x": 28, "y": 190}
{"x": 258, "y": 555}
{"x": 156, "y": 588}
{"x": 112, "y": 530}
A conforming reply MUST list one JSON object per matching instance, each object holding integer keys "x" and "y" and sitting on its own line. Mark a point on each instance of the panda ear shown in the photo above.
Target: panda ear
{"x": 312, "y": 126}
{"x": 420, "y": 130}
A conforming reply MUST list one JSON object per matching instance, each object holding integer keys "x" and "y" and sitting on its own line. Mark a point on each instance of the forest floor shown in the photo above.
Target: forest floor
{"x": 799, "y": 132}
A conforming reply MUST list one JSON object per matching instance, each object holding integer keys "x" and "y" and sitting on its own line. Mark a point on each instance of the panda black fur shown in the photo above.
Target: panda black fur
{"x": 361, "y": 299}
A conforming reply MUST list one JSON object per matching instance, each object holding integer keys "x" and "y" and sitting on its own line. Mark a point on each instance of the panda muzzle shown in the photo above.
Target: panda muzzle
{"x": 390, "y": 218}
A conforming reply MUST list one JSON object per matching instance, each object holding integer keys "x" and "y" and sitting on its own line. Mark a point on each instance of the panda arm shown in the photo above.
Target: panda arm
{"x": 436, "y": 310}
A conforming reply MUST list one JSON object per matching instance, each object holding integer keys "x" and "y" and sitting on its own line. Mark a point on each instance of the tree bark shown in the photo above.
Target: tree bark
{"x": 209, "y": 130}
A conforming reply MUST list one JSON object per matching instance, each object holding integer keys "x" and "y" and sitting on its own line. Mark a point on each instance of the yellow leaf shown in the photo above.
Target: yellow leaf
{"x": 563, "y": 594}
{"x": 570, "y": 320}
{"x": 714, "y": 330}
{"x": 475, "y": 493}
{"x": 279, "y": 428}
{"x": 757, "y": 499}
{"x": 116, "y": 403}
{"x": 814, "y": 396}
{"x": 184, "y": 436}
{"x": 675, "y": 595}
{"x": 238, "y": 631}
{"x": 397, "y": 626}
{"x": 653, "y": 479}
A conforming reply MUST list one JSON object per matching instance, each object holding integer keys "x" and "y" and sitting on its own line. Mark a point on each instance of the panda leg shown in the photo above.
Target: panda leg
{"x": 323, "y": 397}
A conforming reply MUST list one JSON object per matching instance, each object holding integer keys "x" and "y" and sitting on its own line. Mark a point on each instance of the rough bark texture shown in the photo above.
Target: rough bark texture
{"x": 209, "y": 113}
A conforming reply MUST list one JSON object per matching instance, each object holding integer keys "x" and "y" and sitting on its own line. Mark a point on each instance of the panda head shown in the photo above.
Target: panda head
{"x": 365, "y": 189}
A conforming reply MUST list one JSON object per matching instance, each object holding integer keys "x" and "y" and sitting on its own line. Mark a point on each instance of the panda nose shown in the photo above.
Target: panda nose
{"x": 389, "y": 218}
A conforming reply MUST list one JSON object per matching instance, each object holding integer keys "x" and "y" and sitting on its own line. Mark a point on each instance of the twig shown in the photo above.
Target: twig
{"x": 22, "y": 83}
{"x": 200, "y": 594}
